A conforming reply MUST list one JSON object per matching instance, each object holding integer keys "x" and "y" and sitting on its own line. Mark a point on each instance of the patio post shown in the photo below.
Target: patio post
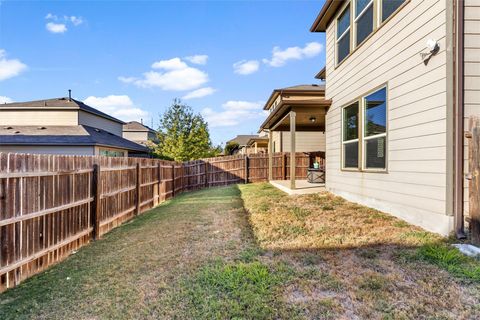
{"x": 270, "y": 155}
{"x": 292, "y": 149}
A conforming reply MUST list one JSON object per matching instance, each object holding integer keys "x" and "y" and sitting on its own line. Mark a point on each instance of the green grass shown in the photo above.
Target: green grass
{"x": 232, "y": 291}
{"x": 452, "y": 260}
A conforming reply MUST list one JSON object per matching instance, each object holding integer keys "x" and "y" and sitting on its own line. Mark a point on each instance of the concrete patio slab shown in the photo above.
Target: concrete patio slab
{"x": 302, "y": 187}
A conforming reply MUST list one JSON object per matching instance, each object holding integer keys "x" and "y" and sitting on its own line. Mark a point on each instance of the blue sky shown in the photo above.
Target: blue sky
{"x": 132, "y": 58}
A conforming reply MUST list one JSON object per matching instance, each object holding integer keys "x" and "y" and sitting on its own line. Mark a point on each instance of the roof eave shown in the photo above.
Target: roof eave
{"x": 325, "y": 16}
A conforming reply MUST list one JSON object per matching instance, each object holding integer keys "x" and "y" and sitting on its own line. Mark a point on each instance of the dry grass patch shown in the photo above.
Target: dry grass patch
{"x": 360, "y": 262}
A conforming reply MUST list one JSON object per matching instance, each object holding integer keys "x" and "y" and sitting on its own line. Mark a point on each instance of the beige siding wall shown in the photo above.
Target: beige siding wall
{"x": 38, "y": 118}
{"x": 415, "y": 186}
{"x": 135, "y": 135}
{"x": 472, "y": 71}
{"x": 92, "y": 120}
{"x": 66, "y": 150}
{"x": 304, "y": 141}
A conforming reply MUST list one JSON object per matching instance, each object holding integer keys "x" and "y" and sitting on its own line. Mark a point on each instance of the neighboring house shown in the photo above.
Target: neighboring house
{"x": 242, "y": 140}
{"x": 401, "y": 77}
{"x": 140, "y": 133}
{"x": 309, "y": 102}
{"x": 62, "y": 126}
{"x": 257, "y": 145}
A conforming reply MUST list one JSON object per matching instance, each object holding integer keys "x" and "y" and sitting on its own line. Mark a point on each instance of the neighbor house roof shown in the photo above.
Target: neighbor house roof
{"x": 136, "y": 126}
{"x": 300, "y": 89}
{"x": 326, "y": 15}
{"x": 242, "y": 139}
{"x": 259, "y": 140}
{"x": 65, "y": 135}
{"x": 321, "y": 75}
{"x": 57, "y": 104}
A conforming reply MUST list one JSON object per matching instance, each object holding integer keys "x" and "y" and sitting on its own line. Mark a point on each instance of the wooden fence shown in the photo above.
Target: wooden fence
{"x": 52, "y": 205}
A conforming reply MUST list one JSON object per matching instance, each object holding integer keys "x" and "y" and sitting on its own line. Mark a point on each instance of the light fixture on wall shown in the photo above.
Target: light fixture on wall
{"x": 433, "y": 48}
{"x": 312, "y": 119}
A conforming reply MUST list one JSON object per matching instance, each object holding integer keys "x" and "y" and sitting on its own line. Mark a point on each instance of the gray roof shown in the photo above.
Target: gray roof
{"x": 64, "y": 135}
{"x": 136, "y": 126}
{"x": 242, "y": 139}
{"x": 58, "y": 103}
{"x": 304, "y": 87}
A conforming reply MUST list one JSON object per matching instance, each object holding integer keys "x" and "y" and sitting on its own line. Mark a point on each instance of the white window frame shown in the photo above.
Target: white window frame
{"x": 355, "y": 20}
{"x": 337, "y": 39}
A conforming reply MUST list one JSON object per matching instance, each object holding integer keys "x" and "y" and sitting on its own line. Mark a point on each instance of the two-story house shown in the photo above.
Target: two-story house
{"x": 402, "y": 76}
{"x": 138, "y": 132}
{"x": 63, "y": 126}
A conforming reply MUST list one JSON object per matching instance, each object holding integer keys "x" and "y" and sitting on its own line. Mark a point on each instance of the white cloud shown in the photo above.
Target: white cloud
{"x": 59, "y": 25}
{"x": 118, "y": 106}
{"x": 233, "y": 112}
{"x": 176, "y": 76}
{"x": 198, "y": 59}
{"x": 10, "y": 68}
{"x": 199, "y": 93}
{"x": 172, "y": 64}
{"x": 4, "y": 99}
{"x": 280, "y": 57}
{"x": 56, "y": 27}
{"x": 76, "y": 20}
{"x": 245, "y": 67}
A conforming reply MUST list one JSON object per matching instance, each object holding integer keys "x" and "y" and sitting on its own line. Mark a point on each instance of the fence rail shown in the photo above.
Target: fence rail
{"x": 51, "y": 205}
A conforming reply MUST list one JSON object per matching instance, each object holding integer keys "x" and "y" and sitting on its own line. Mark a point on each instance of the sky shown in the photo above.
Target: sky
{"x": 132, "y": 58}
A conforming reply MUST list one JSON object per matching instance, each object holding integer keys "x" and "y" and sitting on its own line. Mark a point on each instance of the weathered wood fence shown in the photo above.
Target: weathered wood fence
{"x": 474, "y": 179}
{"x": 52, "y": 205}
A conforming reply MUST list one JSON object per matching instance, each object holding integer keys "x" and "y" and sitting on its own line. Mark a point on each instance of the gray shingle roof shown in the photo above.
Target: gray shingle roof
{"x": 58, "y": 103}
{"x": 64, "y": 135}
{"x": 242, "y": 139}
{"x": 136, "y": 126}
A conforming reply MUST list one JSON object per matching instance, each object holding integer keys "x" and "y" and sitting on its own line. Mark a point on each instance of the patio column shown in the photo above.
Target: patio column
{"x": 270, "y": 155}
{"x": 292, "y": 150}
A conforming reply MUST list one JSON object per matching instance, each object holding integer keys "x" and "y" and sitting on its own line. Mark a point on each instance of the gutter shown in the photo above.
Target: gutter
{"x": 459, "y": 120}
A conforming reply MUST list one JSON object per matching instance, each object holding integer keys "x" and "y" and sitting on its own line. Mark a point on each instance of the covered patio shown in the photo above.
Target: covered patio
{"x": 297, "y": 110}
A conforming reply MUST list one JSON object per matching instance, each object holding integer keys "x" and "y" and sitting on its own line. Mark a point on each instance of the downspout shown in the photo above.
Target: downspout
{"x": 459, "y": 120}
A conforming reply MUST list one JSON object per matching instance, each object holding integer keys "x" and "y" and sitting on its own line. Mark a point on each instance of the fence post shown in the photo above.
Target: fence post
{"x": 137, "y": 211}
{"x": 246, "y": 169}
{"x": 284, "y": 166}
{"x": 474, "y": 177}
{"x": 96, "y": 192}
{"x": 206, "y": 174}
{"x": 159, "y": 177}
{"x": 173, "y": 180}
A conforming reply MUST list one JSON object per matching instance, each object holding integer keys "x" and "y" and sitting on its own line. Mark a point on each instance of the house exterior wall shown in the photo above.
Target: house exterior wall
{"x": 415, "y": 185}
{"x": 64, "y": 150}
{"x": 38, "y": 118}
{"x": 472, "y": 73}
{"x": 95, "y": 121}
{"x": 136, "y": 135}
{"x": 304, "y": 141}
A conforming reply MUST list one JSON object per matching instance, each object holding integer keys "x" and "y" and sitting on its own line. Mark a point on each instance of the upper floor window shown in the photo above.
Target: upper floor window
{"x": 358, "y": 20}
{"x": 363, "y": 20}
{"x": 343, "y": 34}
{"x": 389, "y": 7}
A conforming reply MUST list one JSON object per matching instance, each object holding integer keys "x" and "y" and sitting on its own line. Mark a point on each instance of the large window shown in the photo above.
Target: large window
{"x": 368, "y": 134}
{"x": 111, "y": 153}
{"x": 375, "y": 129}
{"x": 363, "y": 20}
{"x": 389, "y": 7}
{"x": 343, "y": 35}
{"x": 358, "y": 20}
{"x": 350, "y": 136}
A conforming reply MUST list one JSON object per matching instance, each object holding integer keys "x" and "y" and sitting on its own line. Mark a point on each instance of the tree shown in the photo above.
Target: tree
{"x": 231, "y": 147}
{"x": 183, "y": 135}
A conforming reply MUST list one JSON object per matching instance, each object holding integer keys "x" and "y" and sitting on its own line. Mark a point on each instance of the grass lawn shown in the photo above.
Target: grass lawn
{"x": 252, "y": 252}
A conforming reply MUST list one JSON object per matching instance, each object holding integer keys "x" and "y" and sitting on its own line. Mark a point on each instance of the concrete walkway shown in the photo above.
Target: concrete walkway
{"x": 302, "y": 187}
